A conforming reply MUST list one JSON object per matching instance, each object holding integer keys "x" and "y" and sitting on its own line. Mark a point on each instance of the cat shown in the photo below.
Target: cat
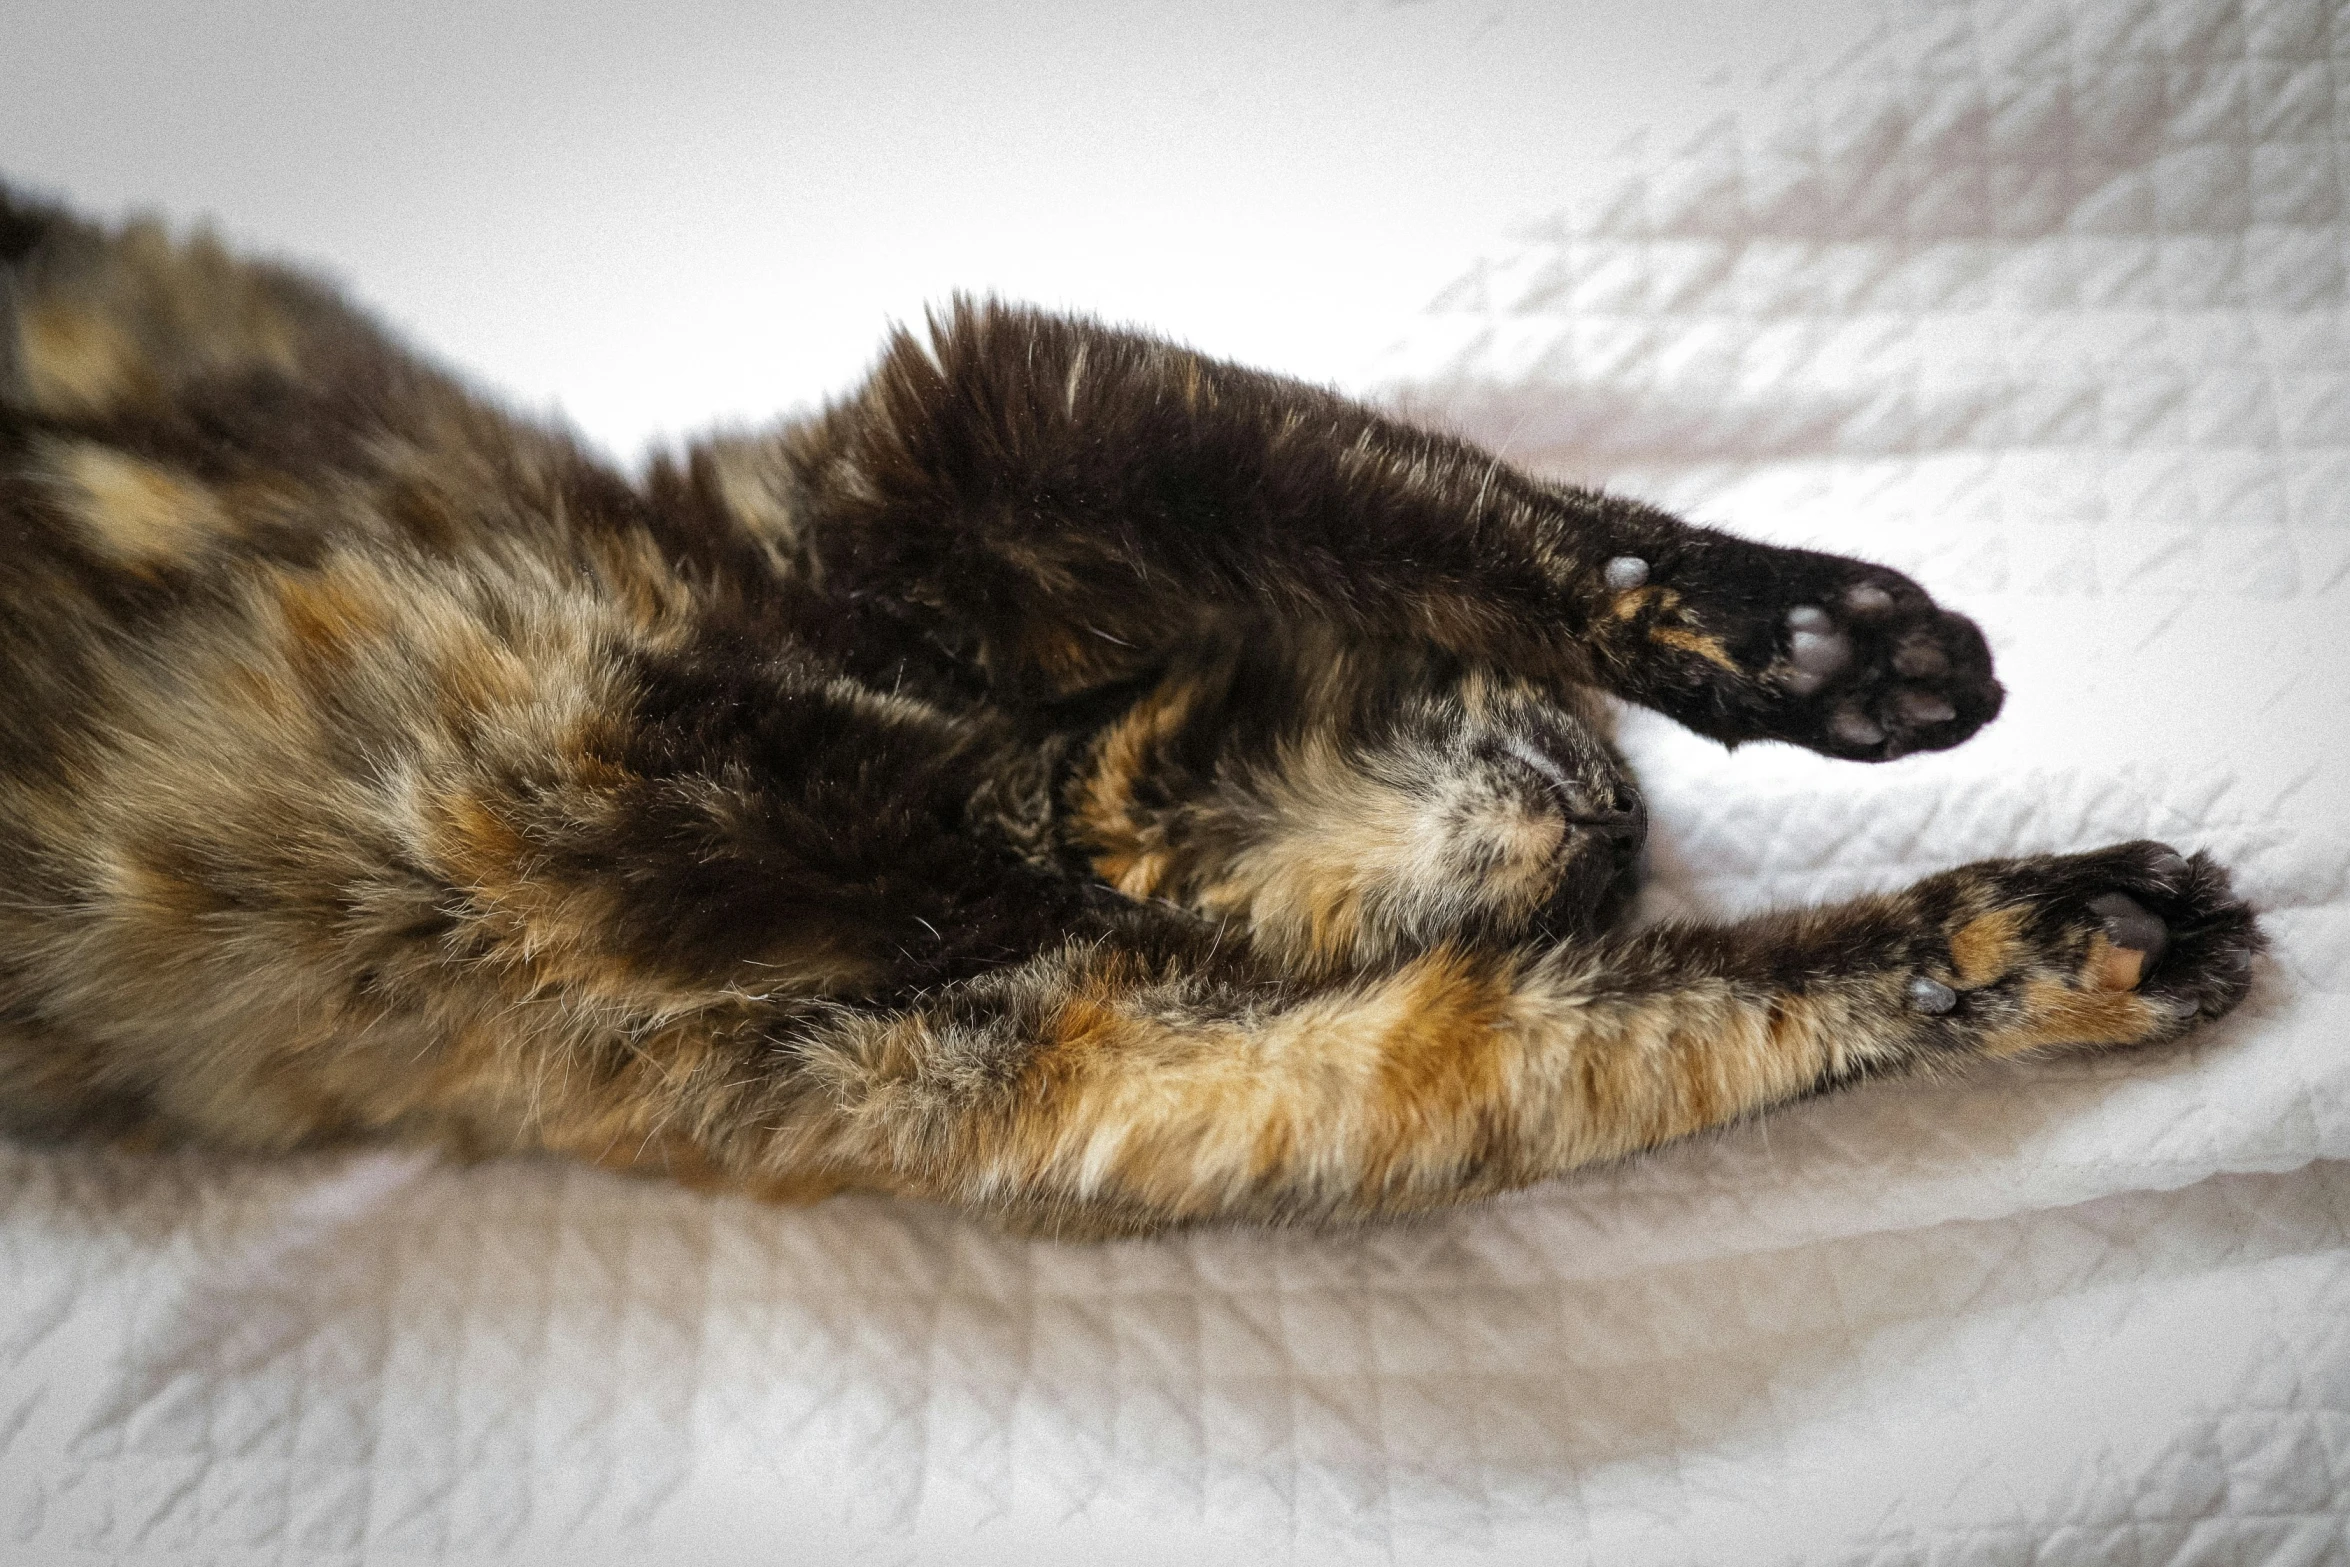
{"x": 1069, "y": 777}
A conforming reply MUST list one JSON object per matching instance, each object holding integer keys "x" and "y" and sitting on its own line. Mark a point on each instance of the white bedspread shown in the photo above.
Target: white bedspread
{"x": 2042, "y": 302}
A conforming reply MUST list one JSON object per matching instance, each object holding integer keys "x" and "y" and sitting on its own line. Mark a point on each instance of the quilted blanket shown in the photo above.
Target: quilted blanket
{"x": 2042, "y": 302}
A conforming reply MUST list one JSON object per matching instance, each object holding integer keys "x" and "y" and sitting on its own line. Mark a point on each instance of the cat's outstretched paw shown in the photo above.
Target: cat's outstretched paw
{"x": 2123, "y": 946}
{"x": 1744, "y": 641}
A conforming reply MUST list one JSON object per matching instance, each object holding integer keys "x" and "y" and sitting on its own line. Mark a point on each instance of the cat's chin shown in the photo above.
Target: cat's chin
{"x": 1597, "y": 891}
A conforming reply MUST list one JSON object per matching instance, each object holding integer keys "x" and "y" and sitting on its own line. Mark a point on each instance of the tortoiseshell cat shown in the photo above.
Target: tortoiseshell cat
{"x": 1071, "y": 778}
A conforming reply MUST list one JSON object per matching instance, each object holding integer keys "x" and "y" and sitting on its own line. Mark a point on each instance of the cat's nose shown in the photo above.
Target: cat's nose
{"x": 1613, "y": 809}
{"x": 1615, "y": 813}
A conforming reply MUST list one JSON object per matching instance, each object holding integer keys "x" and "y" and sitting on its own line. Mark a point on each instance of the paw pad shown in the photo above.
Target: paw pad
{"x": 1815, "y": 647}
{"x": 1878, "y": 671}
{"x": 2129, "y": 945}
{"x": 1854, "y": 727}
{"x": 1920, "y": 707}
{"x": 2135, "y": 939}
{"x": 1919, "y": 658}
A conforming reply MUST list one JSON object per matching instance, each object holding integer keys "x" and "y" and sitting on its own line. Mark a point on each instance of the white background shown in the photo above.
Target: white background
{"x": 655, "y": 215}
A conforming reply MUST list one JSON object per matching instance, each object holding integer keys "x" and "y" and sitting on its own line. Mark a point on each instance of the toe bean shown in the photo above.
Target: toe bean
{"x": 1920, "y": 659}
{"x": 2129, "y": 923}
{"x": 1854, "y": 727}
{"x": 1923, "y": 707}
{"x": 1819, "y": 653}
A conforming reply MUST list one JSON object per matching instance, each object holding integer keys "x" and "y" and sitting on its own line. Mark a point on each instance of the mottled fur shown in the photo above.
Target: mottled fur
{"x": 1070, "y": 777}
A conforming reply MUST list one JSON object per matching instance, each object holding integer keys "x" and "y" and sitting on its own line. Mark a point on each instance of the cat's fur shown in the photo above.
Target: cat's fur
{"x": 1070, "y": 777}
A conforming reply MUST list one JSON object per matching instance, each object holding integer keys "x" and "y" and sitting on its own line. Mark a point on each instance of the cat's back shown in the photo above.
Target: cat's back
{"x": 228, "y": 494}
{"x": 171, "y": 411}
{"x": 277, "y": 597}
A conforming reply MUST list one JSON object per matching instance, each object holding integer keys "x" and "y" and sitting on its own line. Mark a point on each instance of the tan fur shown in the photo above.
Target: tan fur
{"x": 2114, "y": 968}
{"x": 148, "y": 312}
{"x": 1329, "y": 850}
{"x": 140, "y": 514}
{"x": 1451, "y": 1075}
{"x": 2057, "y": 1014}
{"x": 1128, "y": 852}
{"x": 747, "y": 483}
{"x": 1987, "y": 947}
{"x": 1708, "y": 648}
{"x": 75, "y": 360}
{"x": 1347, "y": 838}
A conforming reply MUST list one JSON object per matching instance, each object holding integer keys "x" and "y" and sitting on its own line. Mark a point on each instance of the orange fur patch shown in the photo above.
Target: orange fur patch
{"x": 137, "y": 513}
{"x": 1708, "y": 648}
{"x": 2057, "y": 1014}
{"x": 327, "y": 616}
{"x": 1441, "y": 1070}
{"x": 1126, "y": 853}
{"x": 74, "y": 361}
{"x": 1987, "y": 946}
{"x": 2111, "y": 967}
{"x": 1628, "y": 604}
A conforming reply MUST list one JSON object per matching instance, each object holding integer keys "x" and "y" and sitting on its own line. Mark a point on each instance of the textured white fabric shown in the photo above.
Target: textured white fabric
{"x": 2043, "y": 302}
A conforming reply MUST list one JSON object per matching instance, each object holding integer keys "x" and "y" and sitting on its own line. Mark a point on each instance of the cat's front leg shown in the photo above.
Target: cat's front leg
{"x": 1110, "y": 1086}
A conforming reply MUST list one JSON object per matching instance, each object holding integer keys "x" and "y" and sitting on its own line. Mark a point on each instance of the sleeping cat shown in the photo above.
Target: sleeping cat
{"x": 1070, "y": 777}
